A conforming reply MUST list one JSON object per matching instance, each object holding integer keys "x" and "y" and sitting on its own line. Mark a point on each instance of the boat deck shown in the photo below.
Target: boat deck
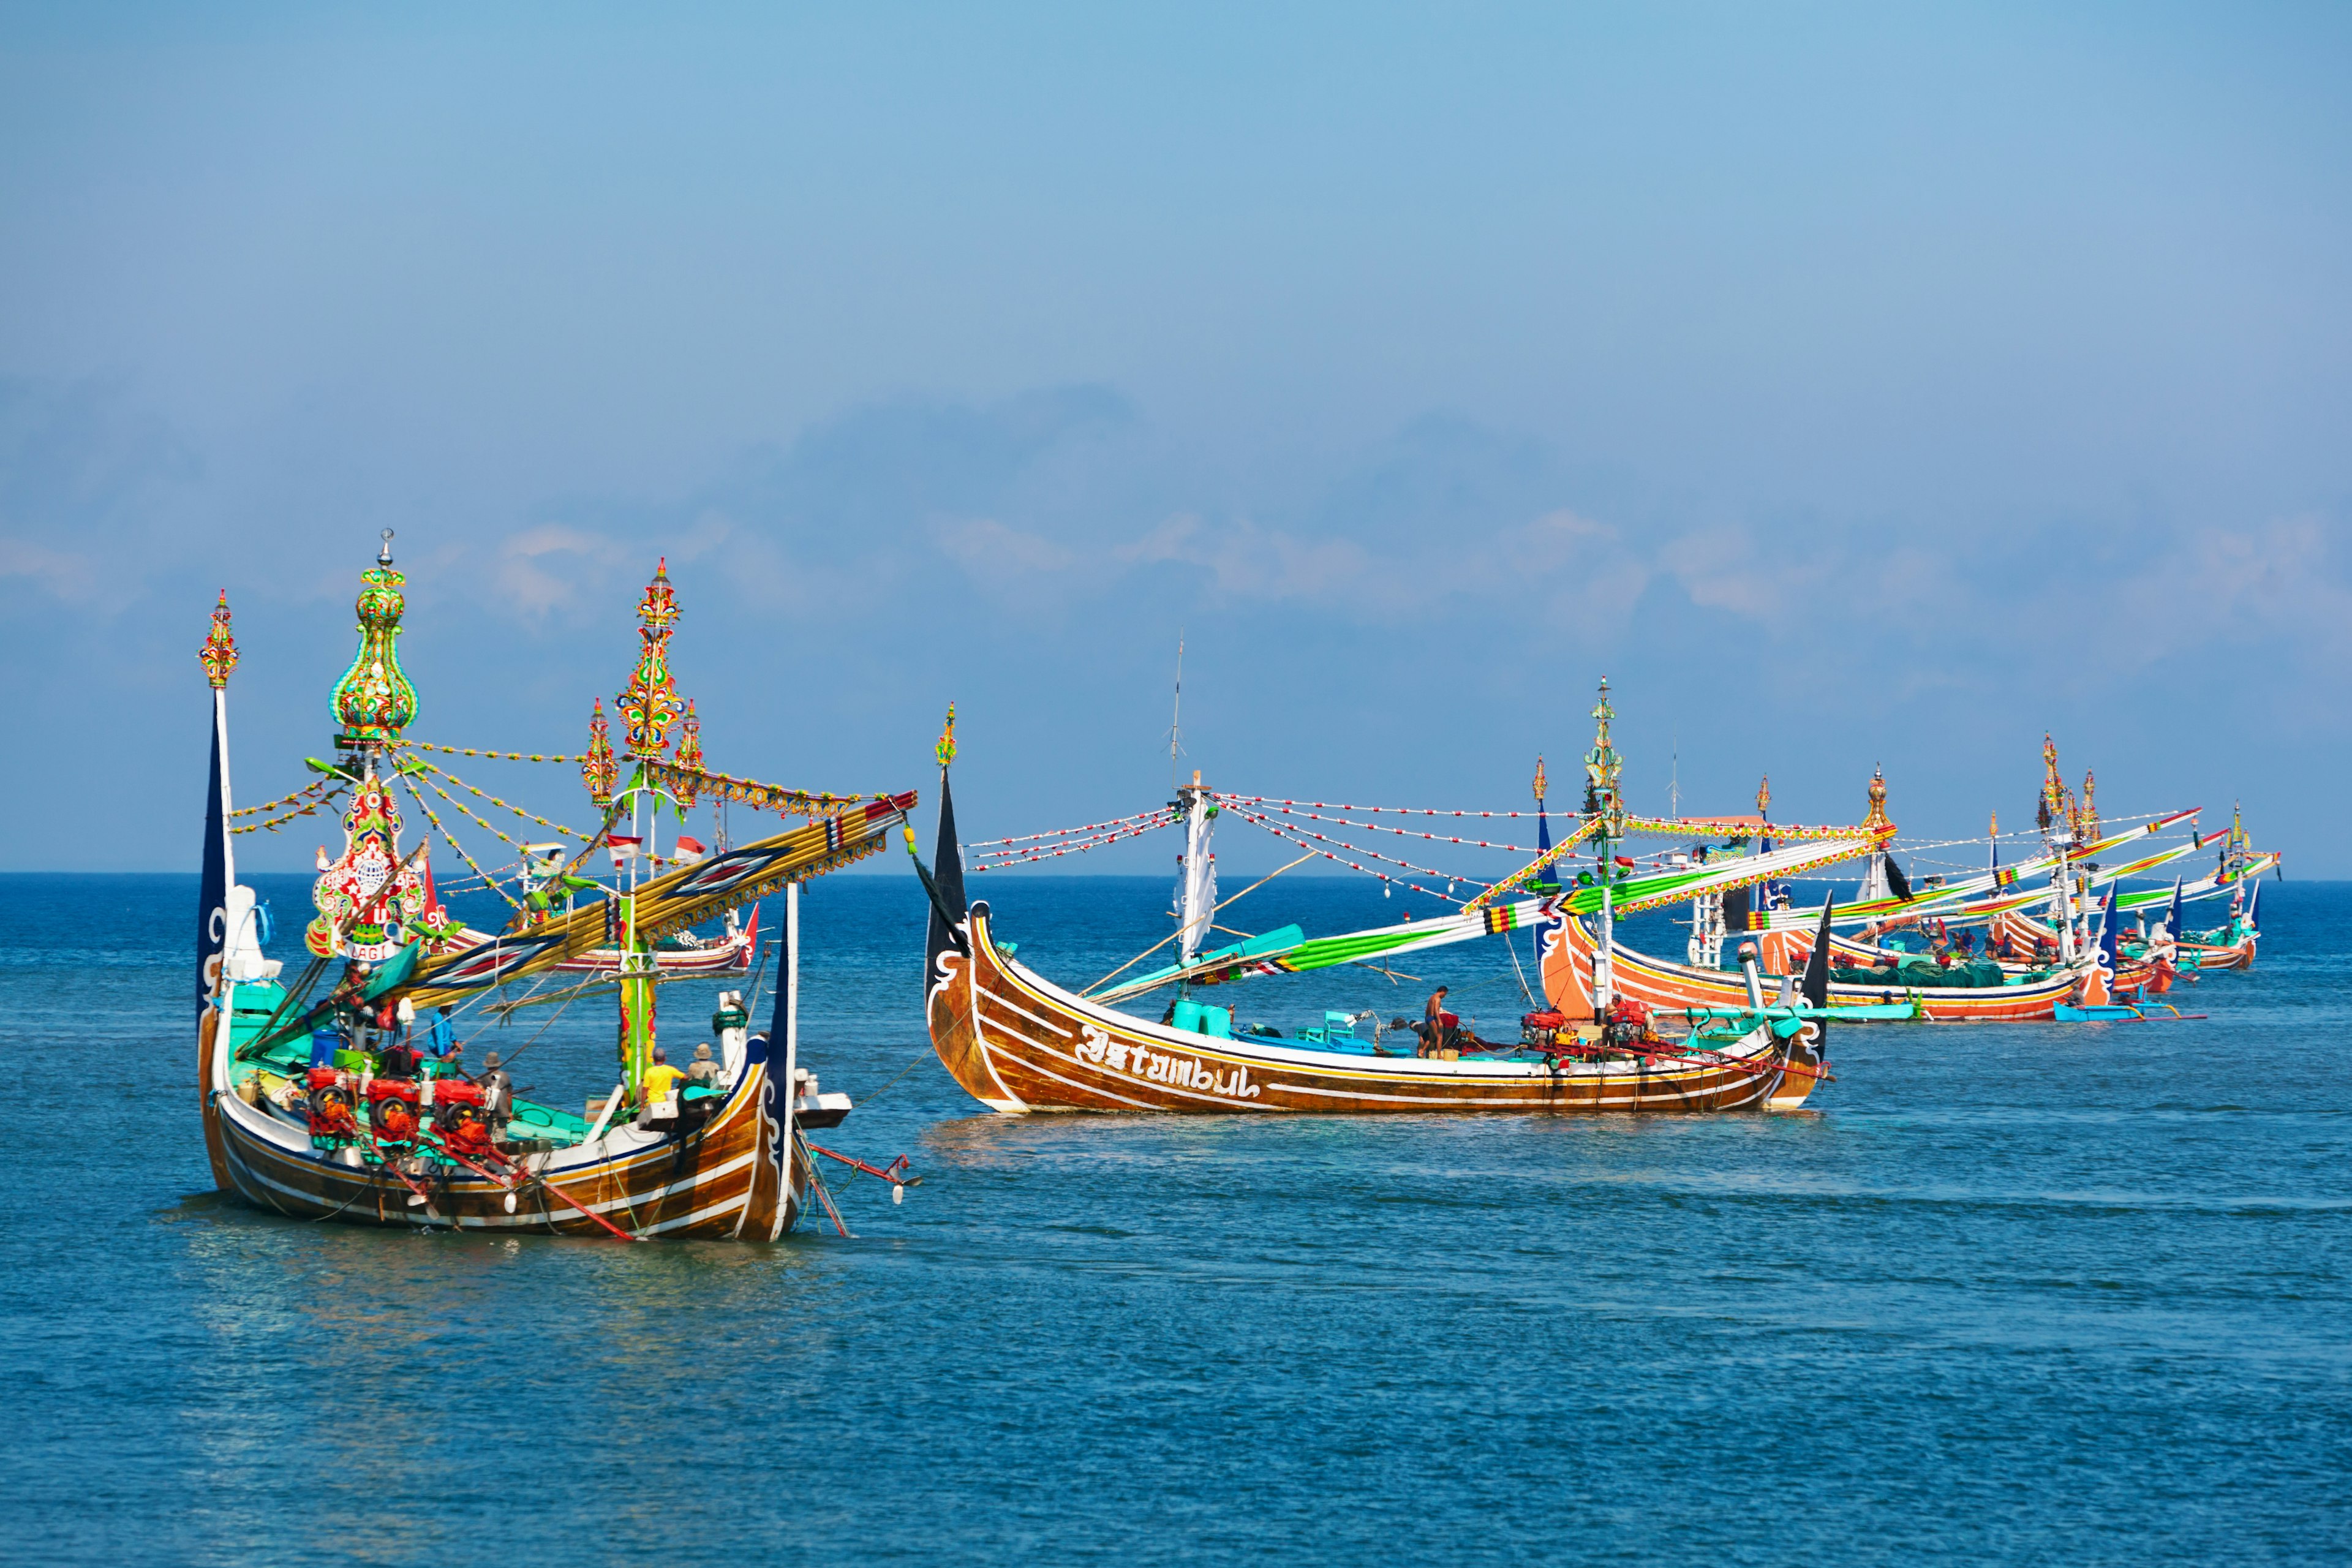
{"x": 529, "y": 1123}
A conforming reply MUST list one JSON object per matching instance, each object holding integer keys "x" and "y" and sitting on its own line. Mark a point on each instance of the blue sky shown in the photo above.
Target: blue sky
{"x": 1854, "y": 385}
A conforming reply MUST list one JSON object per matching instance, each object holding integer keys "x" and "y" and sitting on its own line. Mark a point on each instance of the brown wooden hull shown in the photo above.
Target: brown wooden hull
{"x": 725, "y": 1181}
{"x": 1018, "y": 1043}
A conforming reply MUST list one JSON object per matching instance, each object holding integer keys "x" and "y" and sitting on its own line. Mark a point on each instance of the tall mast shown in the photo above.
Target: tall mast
{"x": 2054, "y": 815}
{"x": 648, "y": 706}
{"x": 1196, "y": 880}
{"x": 219, "y": 656}
{"x": 1602, "y": 771}
{"x": 214, "y": 903}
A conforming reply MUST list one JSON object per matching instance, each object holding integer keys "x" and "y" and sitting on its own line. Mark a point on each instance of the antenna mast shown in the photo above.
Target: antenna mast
{"x": 1175, "y": 718}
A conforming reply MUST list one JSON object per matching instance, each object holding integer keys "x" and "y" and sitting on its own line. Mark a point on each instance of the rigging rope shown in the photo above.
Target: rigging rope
{"x": 1407, "y": 832}
{"x": 1152, "y": 817}
{"x": 503, "y": 756}
{"x": 1396, "y": 810}
{"x": 1077, "y": 846}
{"x": 477, "y": 817}
{"x": 286, "y": 800}
{"x": 494, "y": 800}
{"x": 419, "y": 796}
{"x": 275, "y": 823}
{"x": 1280, "y": 831}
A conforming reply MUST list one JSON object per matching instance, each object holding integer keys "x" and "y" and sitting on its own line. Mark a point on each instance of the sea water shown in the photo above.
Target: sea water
{"x": 2002, "y": 1293}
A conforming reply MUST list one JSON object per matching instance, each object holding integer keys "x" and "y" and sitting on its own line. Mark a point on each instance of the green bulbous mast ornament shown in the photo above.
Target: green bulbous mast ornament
{"x": 374, "y": 701}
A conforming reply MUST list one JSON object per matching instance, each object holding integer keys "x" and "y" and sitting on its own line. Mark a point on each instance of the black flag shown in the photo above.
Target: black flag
{"x": 1816, "y": 983}
{"x": 1735, "y": 911}
{"x": 946, "y": 890}
{"x": 1896, "y": 880}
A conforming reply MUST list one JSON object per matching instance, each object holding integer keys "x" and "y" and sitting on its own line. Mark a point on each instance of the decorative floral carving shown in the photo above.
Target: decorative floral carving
{"x": 597, "y": 767}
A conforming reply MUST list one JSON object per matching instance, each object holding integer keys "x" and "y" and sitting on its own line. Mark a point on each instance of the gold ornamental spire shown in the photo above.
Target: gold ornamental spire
{"x": 597, "y": 769}
{"x": 945, "y": 748}
{"x": 1603, "y": 768}
{"x": 218, "y": 655}
{"x": 1877, "y": 818}
{"x": 650, "y": 706}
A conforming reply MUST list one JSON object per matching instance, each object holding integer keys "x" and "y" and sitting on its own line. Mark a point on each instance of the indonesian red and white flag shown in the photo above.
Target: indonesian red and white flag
{"x": 623, "y": 849}
{"x": 689, "y": 849}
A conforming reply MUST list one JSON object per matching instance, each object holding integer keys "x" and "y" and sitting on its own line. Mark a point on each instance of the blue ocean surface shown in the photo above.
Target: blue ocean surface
{"x": 2004, "y": 1293}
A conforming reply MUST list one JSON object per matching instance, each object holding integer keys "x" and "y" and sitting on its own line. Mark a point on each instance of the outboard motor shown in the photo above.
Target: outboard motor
{"x": 1755, "y": 975}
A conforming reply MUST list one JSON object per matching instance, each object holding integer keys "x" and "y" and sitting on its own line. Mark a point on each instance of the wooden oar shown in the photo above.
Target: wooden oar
{"x": 896, "y": 1174}
{"x": 423, "y": 1197}
{"x": 540, "y": 1181}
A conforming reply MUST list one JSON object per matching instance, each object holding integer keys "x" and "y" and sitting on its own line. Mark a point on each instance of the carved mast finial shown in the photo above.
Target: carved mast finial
{"x": 1603, "y": 767}
{"x": 650, "y": 706}
{"x": 597, "y": 769}
{"x": 375, "y": 701}
{"x": 945, "y": 749}
{"x": 218, "y": 655}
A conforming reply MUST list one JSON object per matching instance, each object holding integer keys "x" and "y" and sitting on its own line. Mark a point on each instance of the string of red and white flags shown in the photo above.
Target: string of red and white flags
{"x": 1286, "y": 820}
{"x": 1300, "y": 837}
{"x": 994, "y": 854}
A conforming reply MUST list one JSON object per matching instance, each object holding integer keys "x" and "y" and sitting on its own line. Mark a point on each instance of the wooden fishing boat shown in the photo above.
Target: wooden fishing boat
{"x": 1018, "y": 1042}
{"x": 317, "y": 1102}
{"x": 1569, "y": 948}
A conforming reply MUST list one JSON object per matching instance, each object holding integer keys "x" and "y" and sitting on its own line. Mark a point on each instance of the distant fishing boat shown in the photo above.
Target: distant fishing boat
{"x": 322, "y": 1097}
{"x": 1018, "y": 1042}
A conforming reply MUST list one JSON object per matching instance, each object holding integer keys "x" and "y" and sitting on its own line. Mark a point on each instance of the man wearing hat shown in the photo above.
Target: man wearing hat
{"x": 498, "y": 1086}
{"x": 702, "y": 1070}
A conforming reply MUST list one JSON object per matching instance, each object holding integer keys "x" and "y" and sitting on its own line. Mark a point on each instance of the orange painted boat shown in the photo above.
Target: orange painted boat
{"x": 1567, "y": 948}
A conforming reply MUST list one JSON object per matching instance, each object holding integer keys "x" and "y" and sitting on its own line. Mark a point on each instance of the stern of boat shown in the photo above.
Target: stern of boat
{"x": 1801, "y": 1069}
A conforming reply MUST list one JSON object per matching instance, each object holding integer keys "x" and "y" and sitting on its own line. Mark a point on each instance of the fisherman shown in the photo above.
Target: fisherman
{"x": 1432, "y": 1025}
{"x": 702, "y": 1072}
{"x": 661, "y": 1082}
{"x": 498, "y": 1090}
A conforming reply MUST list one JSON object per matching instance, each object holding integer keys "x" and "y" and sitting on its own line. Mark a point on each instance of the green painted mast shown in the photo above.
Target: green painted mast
{"x": 648, "y": 706}
{"x": 1604, "y": 801}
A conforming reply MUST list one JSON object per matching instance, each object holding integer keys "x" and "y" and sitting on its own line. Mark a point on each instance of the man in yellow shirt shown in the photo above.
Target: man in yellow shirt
{"x": 661, "y": 1082}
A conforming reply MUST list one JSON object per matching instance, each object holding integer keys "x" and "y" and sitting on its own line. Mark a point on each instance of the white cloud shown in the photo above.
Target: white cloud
{"x": 73, "y": 578}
